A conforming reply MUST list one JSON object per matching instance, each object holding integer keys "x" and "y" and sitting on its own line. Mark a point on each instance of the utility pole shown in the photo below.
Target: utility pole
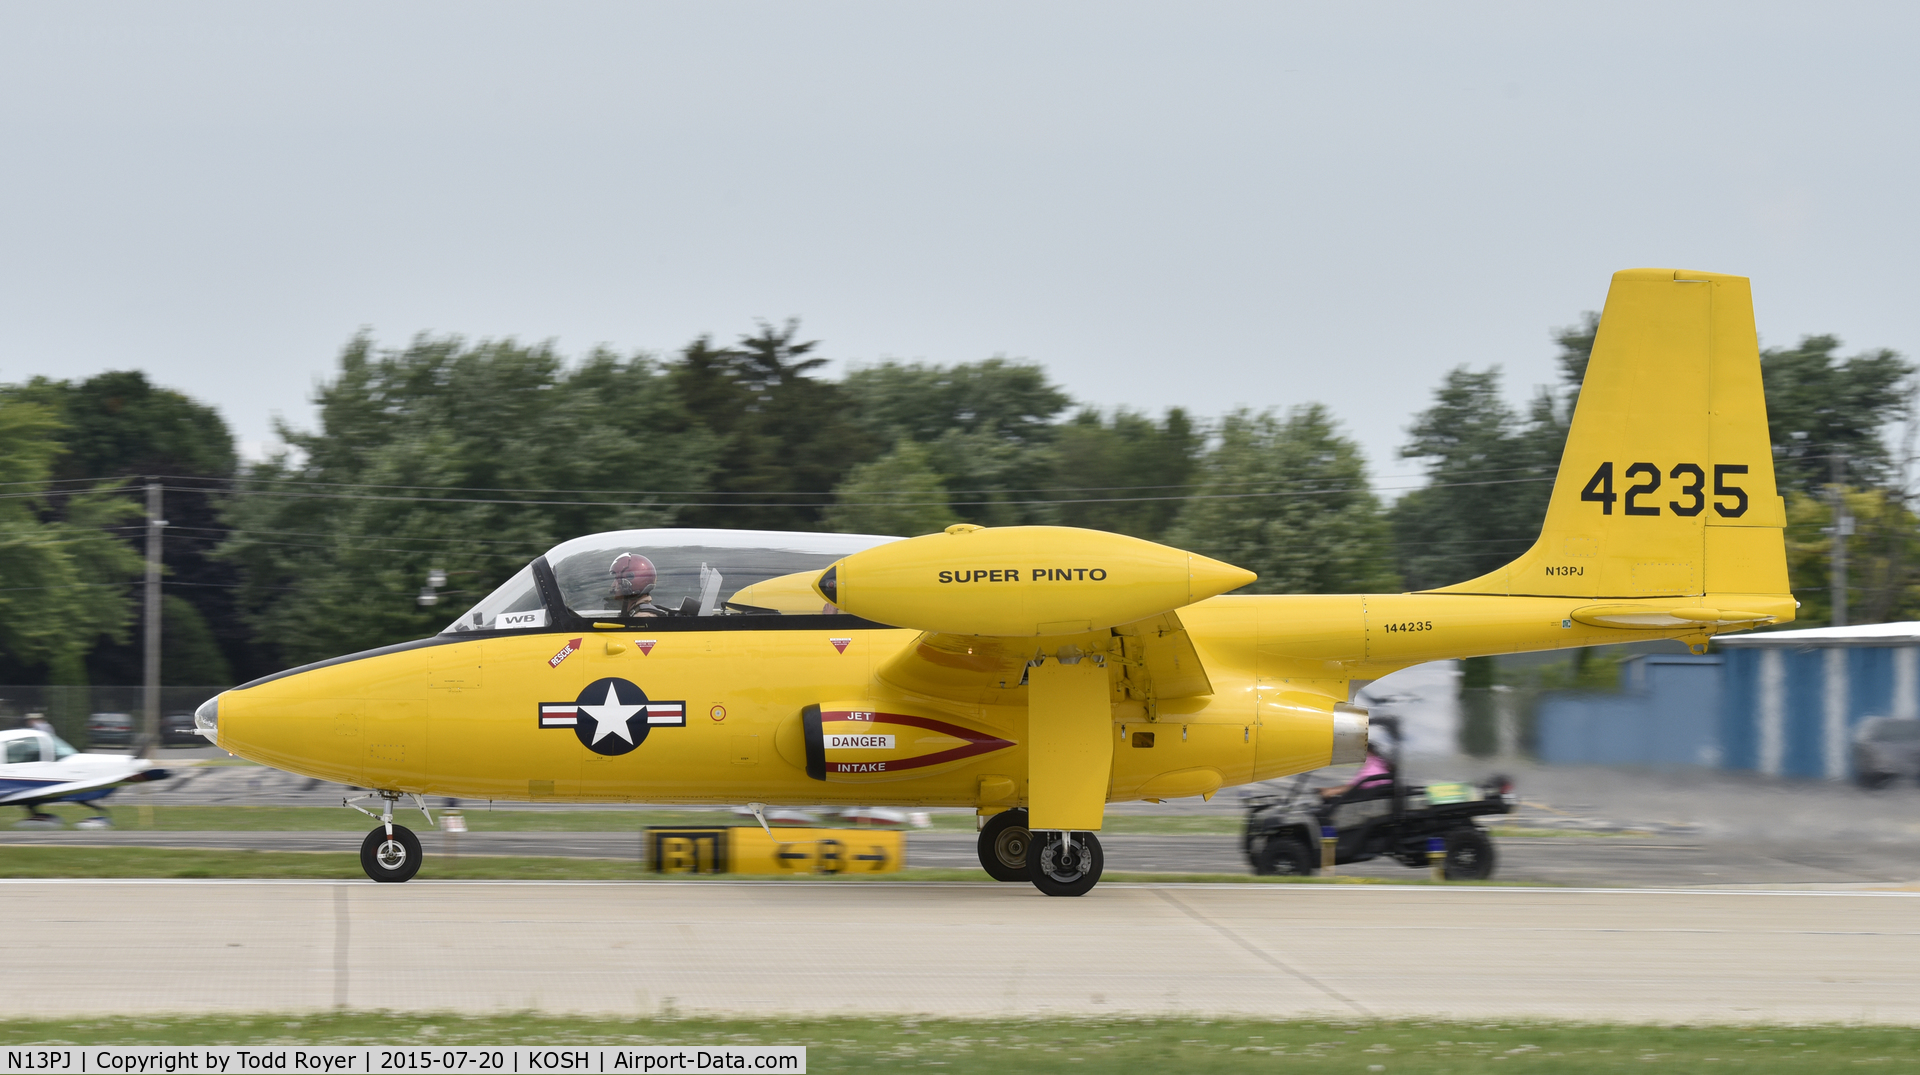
{"x": 1841, "y": 530}
{"x": 150, "y": 730}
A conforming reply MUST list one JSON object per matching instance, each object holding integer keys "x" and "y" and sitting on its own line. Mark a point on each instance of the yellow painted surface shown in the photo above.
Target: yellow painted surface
{"x": 1069, "y": 725}
{"x": 749, "y": 849}
{"x": 1178, "y": 692}
{"x": 1674, "y": 383}
{"x": 1025, "y": 580}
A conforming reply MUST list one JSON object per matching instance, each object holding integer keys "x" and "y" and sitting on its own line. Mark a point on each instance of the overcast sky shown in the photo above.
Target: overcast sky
{"x": 1209, "y": 205}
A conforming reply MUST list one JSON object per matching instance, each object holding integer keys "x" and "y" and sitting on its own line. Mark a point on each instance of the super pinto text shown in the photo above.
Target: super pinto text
{"x": 1038, "y": 574}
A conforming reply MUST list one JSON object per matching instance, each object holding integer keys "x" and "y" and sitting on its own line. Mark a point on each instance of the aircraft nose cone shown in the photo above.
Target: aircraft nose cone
{"x": 1211, "y": 578}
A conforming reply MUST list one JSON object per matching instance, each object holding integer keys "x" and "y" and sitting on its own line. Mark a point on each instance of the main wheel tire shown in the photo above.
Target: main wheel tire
{"x": 1004, "y": 845}
{"x": 1469, "y": 855}
{"x": 1285, "y": 856}
{"x": 1059, "y": 870}
{"x": 396, "y": 859}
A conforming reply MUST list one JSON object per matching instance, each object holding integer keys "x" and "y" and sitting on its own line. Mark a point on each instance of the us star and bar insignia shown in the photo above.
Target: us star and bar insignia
{"x": 612, "y": 716}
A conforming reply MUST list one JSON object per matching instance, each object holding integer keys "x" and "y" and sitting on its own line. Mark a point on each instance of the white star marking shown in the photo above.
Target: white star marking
{"x": 610, "y": 717}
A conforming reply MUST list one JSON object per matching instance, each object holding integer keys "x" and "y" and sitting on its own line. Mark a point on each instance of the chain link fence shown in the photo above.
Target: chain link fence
{"x": 67, "y": 708}
{"x": 1499, "y": 721}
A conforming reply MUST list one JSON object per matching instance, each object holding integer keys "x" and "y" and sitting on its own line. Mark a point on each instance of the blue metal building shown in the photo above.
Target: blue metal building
{"x": 1783, "y": 703}
{"x": 1668, "y": 712}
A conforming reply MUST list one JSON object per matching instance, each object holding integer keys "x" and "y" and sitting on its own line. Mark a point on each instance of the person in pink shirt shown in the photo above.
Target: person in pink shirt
{"x": 1375, "y": 772}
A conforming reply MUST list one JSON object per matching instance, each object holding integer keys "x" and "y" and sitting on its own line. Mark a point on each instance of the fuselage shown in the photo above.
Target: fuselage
{"x": 503, "y": 716}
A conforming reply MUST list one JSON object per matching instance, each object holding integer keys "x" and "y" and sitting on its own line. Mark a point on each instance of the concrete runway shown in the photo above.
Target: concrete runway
{"x": 125, "y": 947}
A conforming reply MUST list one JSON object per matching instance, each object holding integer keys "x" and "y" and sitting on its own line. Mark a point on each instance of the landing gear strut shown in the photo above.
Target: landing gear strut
{"x": 390, "y": 852}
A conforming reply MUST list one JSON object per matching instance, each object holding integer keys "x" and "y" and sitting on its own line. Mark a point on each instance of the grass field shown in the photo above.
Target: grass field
{"x": 1018, "y": 1046}
{"x": 24, "y": 861}
{"x": 296, "y": 865}
{"x": 340, "y": 819}
{"x": 481, "y": 819}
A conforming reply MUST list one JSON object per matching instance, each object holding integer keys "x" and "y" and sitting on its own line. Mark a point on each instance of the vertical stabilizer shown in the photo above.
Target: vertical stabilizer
{"x": 1666, "y": 485}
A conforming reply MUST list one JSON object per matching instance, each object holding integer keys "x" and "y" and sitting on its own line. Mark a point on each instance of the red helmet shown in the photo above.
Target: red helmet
{"x": 633, "y": 575}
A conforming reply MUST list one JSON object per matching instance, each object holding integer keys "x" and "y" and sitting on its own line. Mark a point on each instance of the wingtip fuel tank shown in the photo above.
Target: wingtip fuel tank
{"x": 1023, "y": 580}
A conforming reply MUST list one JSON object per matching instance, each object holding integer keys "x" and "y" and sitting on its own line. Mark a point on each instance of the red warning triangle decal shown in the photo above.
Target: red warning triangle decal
{"x": 841, "y": 644}
{"x": 646, "y": 646}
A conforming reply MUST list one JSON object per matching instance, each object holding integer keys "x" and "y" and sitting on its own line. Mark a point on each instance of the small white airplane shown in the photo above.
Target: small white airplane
{"x": 40, "y": 768}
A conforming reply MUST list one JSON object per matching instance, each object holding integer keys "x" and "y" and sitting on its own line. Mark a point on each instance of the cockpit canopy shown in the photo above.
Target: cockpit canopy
{"x": 31, "y": 745}
{"x": 650, "y": 576}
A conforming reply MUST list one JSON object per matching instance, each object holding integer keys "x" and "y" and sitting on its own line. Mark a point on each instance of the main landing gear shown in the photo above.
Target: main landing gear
{"x": 390, "y": 852}
{"x": 1058, "y": 863}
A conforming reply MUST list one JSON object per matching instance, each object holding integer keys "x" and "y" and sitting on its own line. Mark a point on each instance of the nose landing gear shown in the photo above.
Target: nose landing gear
{"x": 390, "y": 853}
{"x": 391, "y": 856}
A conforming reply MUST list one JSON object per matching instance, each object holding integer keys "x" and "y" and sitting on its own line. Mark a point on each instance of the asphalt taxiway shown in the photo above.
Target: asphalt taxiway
{"x": 636, "y": 948}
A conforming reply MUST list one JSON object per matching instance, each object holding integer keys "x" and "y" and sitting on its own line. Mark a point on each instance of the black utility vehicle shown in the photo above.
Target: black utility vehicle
{"x": 1396, "y": 821}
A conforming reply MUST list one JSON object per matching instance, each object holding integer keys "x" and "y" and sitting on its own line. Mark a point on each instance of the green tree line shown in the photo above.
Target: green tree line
{"x": 473, "y": 457}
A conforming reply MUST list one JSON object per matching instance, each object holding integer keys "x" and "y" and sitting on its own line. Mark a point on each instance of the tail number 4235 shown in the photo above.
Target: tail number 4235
{"x": 1693, "y": 490}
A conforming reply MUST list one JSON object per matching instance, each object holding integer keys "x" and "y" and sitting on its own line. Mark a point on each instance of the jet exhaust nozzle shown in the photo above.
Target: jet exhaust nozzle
{"x": 1349, "y": 735}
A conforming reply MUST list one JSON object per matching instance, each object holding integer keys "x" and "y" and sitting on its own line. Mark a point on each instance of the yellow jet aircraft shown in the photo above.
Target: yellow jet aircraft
{"x": 1034, "y": 673}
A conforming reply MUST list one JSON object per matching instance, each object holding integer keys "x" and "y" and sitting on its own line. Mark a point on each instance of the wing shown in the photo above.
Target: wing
{"x": 52, "y": 792}
{"x": 1167, "y": 665}
{"x": 1151, "y": 658}
{"x": 973, "y": 669}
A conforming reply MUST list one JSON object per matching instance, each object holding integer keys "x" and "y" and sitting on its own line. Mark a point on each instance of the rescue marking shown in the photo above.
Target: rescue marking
{"x": 565, "y": 652}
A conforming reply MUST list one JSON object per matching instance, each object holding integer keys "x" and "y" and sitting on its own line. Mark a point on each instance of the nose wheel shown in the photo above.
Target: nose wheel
{"x": 390, "y": 852}
{"x": 390, "y": 856}
{"x": 1065, "y": 863}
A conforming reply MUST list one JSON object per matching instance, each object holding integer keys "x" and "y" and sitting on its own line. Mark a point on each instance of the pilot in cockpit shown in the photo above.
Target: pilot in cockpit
{"x": 633, "y": 579}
